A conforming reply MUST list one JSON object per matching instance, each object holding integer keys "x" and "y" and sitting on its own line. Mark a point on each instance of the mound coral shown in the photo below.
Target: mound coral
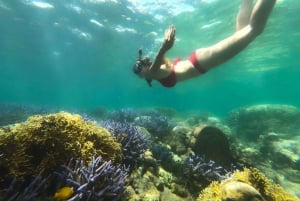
{"x": 253, "y": 177}
{"x": 47, "y": 141}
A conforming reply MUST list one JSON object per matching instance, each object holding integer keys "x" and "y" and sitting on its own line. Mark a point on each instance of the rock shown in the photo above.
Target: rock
{"x": 239, "y": 191}
{"x": 213, "y": 143}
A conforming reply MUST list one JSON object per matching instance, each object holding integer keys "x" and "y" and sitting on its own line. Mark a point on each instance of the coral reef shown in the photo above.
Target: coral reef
{"x": 159, "y": 186}
{"x": 157, "y": 124}
{"x": 253, "y": 177}
{"x": 251, "y": 122}
{"x": 45, "y": 142}
{"x": 145, "y": 155}
{"x": 100, "y": 180}
{"x": 133, "y": 139}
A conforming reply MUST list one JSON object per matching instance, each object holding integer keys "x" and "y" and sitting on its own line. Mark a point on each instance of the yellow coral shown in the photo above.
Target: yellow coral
{"x": 43, "y": 142}
{"x": 267, "y": 188}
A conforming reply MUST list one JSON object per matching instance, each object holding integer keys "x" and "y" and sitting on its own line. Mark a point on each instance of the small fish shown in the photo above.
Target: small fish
{"x": 63, "y": 193}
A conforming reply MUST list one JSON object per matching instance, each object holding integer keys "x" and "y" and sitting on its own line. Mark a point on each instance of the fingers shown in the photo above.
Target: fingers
{"x": 170, "y": 32}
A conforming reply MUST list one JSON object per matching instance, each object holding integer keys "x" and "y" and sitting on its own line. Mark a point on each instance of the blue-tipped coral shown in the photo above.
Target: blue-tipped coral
{"x": 156, "y": 123}
{"x": 34, "y": 191}
{"x": 200, "y": 169}
{"x": 100, "y": 180}
{"x": 133, "y": 139}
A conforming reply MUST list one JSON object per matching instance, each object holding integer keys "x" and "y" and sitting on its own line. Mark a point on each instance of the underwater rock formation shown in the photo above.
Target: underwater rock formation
{"x": 45, "y": 142}
{"x": 265, "y": 189}
{"x": 251, "y": 122}
{"x": 213, "y": 143}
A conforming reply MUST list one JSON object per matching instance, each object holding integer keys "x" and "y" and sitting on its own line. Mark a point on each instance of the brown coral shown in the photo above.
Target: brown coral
{"x": 44, "y": 142}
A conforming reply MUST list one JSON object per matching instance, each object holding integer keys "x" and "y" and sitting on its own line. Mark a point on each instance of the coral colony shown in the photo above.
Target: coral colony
{"x": 197, "y": 167}
{"x": 156, "y": 124}
{"x": 133, "y": 140}
{"x": 100, "y": 180}
{"x": 30, "y": 193}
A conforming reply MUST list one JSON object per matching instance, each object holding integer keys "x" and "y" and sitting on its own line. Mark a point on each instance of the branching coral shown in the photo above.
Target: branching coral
{"x": 36, "y": 188}
{"x": 100, "y": 180}
{"x": 133, "y": 139}
{"x": 199, "y": 168}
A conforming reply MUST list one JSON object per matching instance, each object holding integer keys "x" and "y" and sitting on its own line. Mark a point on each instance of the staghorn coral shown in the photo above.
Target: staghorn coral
{"x": 201, "y": 169}
{"x": 44, "y": 142}
{"x": 133, "y": 139}
{"x": 269, "y": 190}
{"x": 200, "y": 172}
{"x": 33, "y": 191}
{"x": 100, "y": 180}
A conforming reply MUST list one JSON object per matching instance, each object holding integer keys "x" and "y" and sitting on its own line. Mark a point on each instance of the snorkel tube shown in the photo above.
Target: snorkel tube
{"x": 140, "y": 53}
{"x": 140, "y": 63}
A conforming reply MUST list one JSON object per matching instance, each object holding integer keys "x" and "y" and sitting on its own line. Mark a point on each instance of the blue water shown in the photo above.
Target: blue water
{"x": 79, "y": 54}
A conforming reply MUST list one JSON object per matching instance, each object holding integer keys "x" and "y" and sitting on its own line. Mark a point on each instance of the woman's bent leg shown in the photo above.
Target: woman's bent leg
{"x": 231, "y": 46}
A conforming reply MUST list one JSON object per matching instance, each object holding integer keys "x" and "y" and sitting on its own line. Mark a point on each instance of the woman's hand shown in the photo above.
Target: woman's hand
{"x": 169, "y": 38}
{"x": 167, "y": 44}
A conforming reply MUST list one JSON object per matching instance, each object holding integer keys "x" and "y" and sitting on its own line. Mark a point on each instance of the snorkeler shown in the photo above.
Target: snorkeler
{"x": 251, "y": 21}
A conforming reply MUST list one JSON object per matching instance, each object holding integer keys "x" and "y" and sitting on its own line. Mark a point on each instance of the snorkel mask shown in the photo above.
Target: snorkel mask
{"x": 141, "y": 63}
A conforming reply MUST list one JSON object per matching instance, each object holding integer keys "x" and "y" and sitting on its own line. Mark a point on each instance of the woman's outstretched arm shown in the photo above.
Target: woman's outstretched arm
{"x": 243, "y": 16}
{"x": 168, "y": 42}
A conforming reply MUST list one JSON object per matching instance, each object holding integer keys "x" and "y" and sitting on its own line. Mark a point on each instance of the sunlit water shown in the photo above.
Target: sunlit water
{"x": 79, "y": 54}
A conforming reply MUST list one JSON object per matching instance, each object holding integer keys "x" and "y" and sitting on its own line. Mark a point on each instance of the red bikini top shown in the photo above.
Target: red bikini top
{"x": 170, "y": 80}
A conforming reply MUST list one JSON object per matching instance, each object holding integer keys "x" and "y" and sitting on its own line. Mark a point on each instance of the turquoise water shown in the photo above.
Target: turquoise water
{"x": 79, "y": 54}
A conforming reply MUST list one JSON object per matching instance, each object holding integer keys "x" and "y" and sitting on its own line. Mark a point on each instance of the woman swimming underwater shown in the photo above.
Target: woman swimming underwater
{"x": 251, "y": 21}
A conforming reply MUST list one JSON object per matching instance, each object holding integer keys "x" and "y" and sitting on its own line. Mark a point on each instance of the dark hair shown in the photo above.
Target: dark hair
{"x": 141, "y": 63}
